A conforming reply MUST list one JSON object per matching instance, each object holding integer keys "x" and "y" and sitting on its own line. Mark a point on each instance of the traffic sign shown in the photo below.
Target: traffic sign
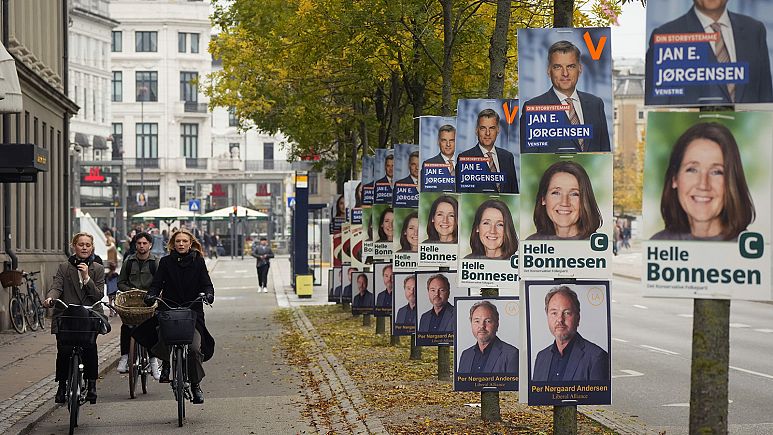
{"x": 194, "y": 205}
{"x": 290, "y": 201}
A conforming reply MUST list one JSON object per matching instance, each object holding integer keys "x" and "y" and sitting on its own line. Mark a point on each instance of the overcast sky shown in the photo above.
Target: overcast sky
{"x": 628, "y": 38}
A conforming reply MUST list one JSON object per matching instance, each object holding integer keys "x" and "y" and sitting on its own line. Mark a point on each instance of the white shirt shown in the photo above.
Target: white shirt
{"x": 494, "y": 156}
{"x": 727, "y": 31}
{"x": 415, "y": 180}
{"x": 575, "y": 101}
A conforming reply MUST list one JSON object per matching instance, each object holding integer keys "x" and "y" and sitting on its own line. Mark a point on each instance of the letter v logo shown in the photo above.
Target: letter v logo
{"x": 595, "y": 52}
{"x": 509, "y": 116}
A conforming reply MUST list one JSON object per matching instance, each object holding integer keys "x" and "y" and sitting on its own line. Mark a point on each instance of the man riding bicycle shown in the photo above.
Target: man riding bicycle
{"x": 137, "y": 273}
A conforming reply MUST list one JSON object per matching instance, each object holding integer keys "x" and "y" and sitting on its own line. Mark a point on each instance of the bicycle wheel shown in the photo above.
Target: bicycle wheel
{"x": 179, "y": 384}
{"x": 74, "y": 387}
{"x": 41, "y": 310}
{"x": 134, "y": 366}
{"x": 31, "y": 314}
{"x": 145, "y": 368}
{"x": 17, "y": 313}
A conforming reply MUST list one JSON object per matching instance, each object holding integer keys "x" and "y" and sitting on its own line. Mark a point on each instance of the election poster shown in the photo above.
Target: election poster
{"x": 337, "y": 285}
{"x": 338, "y": 217}
{"x": 486, "y": 354}
{"x": 713, "y": 53}
{"x": 363, "y": 299}
{"x": 706, "y": 205}
{"x": 566, "y": 216}
{"x": 404, "y": 303}
{"x": 382, "y": 224}
{"x": 565, "y": 84}
{"x": 405, "y": 193}
{"x": 405, "y": 199}
{"x": 383, "y": 174}
{"x": 406, "y": 240}
{"x": 438, "y": 229}
{"x": 437, "y": 153}
{"x": 488, "y": 153}
{"x": 384, "y": 284}
{"x": 435, "y": 293}
{"x": 554, "y": 333}
{"x": 348, "y": 276}
{"x": 488, "y": 241}
{"x": 353, "y": 194}
{"x": 368, "y": 192}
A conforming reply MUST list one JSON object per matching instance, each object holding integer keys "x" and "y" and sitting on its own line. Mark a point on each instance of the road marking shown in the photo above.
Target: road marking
{"x": 687, "y": 405}
{"x": 739, "y": 325}
{"x": 614, "y": 301}
{"x": 240, "y": 271}
{"x": 641, "y": 307}
{"x": 686, "y": 316}
{"x": 628, "y": 374}
{"x": 658, "y": 350}
{"x": 620, "y": 340}
{"x": 751, "y": 372}
{"x": 764, "y": 330}
{"x": 244, "y": 287}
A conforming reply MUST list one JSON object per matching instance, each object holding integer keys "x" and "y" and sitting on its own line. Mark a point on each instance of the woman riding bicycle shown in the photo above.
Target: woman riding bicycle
{"x": 81, "y": 281}
{"x": 180, "y": 278}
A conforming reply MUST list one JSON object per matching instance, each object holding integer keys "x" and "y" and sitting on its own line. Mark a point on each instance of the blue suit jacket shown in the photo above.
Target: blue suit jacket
{"x": 403, "y": 318}
{"x": 588, "y": 362}
{"x": 506, "y": 167}
{"x": 592, "y": 112}
{"x": 384, "y": 299}
{"x": 751, "y": 46}
{"x": 363, "y": 301}
{"x": 447, "y": 321}
{"x": 502, "y": 359}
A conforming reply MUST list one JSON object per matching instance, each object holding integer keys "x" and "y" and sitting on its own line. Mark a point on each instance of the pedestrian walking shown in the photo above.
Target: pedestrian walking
{"x": 111, "y": 283}
{"x": 264, "y": 254}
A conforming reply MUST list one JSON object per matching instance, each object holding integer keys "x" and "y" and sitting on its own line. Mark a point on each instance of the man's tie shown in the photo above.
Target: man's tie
{"x": 575, "y": 120}
{"x": 723, "y": 56}
{"x": 451, "y": 167}
{"x": 492, "y": 166}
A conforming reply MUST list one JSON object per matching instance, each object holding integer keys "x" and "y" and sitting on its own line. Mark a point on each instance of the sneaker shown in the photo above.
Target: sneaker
{"x": 265, "y": 290}
{"x": 155, "y": 370}
{"x": 123, "y": 364}
{"x": 165, "y": 369}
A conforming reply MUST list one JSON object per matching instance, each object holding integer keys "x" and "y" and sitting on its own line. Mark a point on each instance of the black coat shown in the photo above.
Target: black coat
{"x": 179, "y": 280}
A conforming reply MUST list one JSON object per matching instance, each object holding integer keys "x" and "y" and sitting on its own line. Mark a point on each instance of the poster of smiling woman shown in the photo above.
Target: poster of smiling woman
{"x": 706, "y": 205}
{"x": 566, "y": 216}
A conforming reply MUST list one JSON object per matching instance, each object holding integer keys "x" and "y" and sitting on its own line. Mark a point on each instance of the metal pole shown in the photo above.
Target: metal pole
{"x": 142, "y": 149}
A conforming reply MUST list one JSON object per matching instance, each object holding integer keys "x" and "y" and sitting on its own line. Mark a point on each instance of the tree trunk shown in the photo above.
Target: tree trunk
{"x": 395, "y": 114}
{"x": 444, "y": 363}
{"x": 709, "y": 368}
{"x": 380, "y": 325}
{"x": 415, "y": 350}
{"x": 497, "y": 52}
{"x": 562, "y": 13}
{"x": 447, "y": 71}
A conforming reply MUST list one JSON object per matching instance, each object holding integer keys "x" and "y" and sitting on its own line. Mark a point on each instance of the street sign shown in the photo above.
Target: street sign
{"x": 194, "y": 205}
{"x": 290, "y": 201}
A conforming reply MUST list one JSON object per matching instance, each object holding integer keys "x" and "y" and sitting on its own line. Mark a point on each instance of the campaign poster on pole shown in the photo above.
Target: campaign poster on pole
{"x": 565, "y": 85}
{"x": 566, "y": 216}
{"x": 488, "y": 247}
{"x": 554, "y": 332}
{"x": 437, "y": 152}
{"x": 488, "y": 153}
{"x": 384, "y": 283}
{"x": 337, "y": 285}
{"x": 353, "y": 194}
{"x": 706, "y": 205}
{"x": 404, "y": 303}
{"x": 486, "y": 354}
{"x": 339, "y": 216}
{"x": 435, "y": 293}
{"x": 438, "y": 229}
{"x": 405, "y": 199}
{"x": 708, "y": 53}
{"x": 368, "y": 193}
{"x": 363, "y": 299}
{"x": 382, "y": 211}
{"x": 346, "y": 293}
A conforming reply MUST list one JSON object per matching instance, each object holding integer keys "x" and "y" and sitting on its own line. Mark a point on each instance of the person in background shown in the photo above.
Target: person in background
{"x": 111, "y": 283}
{"x": 112, "y": 249}
{"x": 263, "y": 253}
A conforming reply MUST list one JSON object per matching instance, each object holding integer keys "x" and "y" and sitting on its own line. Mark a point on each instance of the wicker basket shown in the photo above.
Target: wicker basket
{"x": 11, "y": 278}
{"x": 130, "y": 305}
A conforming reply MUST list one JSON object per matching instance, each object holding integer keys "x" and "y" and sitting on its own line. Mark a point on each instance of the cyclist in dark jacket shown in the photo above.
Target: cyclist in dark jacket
{"x": 180, "y": 277}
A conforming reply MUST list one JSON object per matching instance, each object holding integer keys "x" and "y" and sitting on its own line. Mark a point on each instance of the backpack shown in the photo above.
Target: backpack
{"x": 153, "y": 267}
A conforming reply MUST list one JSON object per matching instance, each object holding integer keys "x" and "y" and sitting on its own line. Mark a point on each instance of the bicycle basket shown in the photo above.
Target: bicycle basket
{"x": 11, "y": 278}
{"x": 177, "y": 326}
{"x": 78, "y": 327}
{"x": 130, "y": 305}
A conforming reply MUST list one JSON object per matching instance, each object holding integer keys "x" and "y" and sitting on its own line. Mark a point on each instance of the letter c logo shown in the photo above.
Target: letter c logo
{"x": 751, "y": 245}
{"x": 599, "y": 242}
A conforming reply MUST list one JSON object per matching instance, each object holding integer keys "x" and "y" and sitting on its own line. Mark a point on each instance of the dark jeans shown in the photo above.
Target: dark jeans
{"x": 263, "y": 276}
{"x": 90, "y": 361}
{"x": 195, "y": 367}
{"x": 126, "y": 335}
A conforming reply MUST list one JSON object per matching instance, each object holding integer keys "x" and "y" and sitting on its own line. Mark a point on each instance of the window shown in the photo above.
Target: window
{"x": 181, "y": 42}
{"x": 313, "y": 183}
{"x": 233, "y": 121}
{"x": 268, "y": 150}
{"x": 147, "y": 140}
{"x": 640, "y": 114}
{"x": 188, "y": 90}
{"x": 189, "y": 137}
{"x": 117, "y": 140}
{"x": 146, "y": 41}
{"x": 146, "y": 85}
{"x": 187, "y": 191}
{"x": 194, "y": 42}
{"x": 116, "y": 45}
{"x": 233, "y": 148}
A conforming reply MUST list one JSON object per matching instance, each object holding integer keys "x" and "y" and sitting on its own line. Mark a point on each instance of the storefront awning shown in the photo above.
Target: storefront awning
{"x": 10, "y": 90}
{"x": 99, "y": 142}
{"x": 82, "y": 140}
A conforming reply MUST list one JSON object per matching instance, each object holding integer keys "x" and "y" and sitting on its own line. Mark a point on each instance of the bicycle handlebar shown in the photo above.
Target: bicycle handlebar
{"x": 201, "y": 298}
{"x": 90, "y": 307}
{"x": 30, "y": 274}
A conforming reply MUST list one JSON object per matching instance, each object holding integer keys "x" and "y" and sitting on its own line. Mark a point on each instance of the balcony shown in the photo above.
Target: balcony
{"x": 146, "y": 163}
{"x": 267, "y": 165}
{"x": 195, "y": 163}
{"x": 195, "y": 107}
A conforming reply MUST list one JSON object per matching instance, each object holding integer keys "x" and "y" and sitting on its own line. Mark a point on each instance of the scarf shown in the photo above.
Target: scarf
{"x": 184, "y": 260}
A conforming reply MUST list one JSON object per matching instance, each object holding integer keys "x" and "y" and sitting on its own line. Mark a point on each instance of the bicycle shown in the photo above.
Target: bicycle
{"x": 176, "y": 329}
{"x": 77, "y": 327}
{"x": 130, "y": 306}
{"x": 22, "y": 309}
{"x": 32, "y": 295}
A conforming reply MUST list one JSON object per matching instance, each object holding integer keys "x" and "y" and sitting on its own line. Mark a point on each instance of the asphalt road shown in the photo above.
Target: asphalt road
{"x": 651, "y": 345}
{"x": 248, "y": 389}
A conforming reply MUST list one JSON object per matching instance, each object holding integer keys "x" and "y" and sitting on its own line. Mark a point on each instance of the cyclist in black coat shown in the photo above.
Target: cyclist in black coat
{"x": 180, "y": 278}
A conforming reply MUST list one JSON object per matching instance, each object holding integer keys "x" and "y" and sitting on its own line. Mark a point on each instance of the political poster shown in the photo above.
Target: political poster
{"x": 384, "y": 284}
{"x": 368, "y": 193}
{"x": 383, "y": 174}
{"x": 405, "y": 200}
{"x": 363, "y": 300}
{"x": 438, "y": 229}
{"x": 404, "y": 303}
{"x": 406, "y": 239}
{"x": 382, "y": 226}
{"x": 336, "y": 285}
{"x": 348, "y": 276}
{"x": 353, "y": 196}
{"x": 437, "y": 153}
{"x": 405, "y": 193}
{"x": 436, "y": 315}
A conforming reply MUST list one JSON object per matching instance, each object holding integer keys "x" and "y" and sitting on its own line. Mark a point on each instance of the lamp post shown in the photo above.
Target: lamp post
{"x": 142, "y": 95}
